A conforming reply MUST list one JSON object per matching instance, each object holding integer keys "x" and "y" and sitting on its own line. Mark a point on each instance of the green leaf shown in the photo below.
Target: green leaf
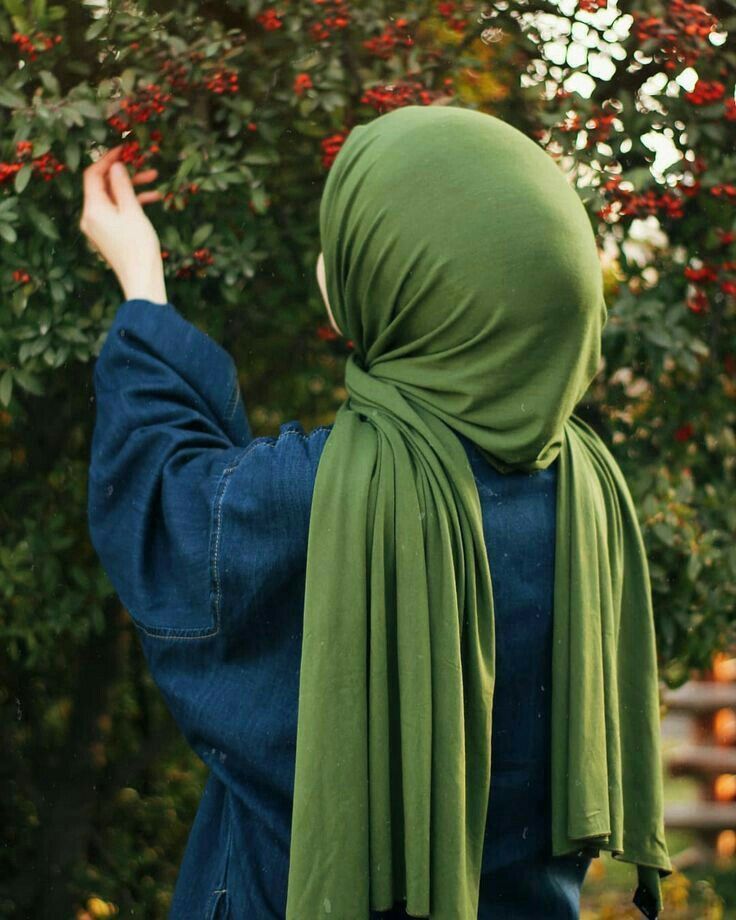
{"x": 658, "y": 337}
{"x": 10, "y": 99}
{"x": 41, "y": 146}
{"x": 192, "y": 160}
{"x": 19, "y": 302}
{"x": 694, "y": 567}
{"x": 259, "y": 197}
{"x": 127, "y": 79}
{"x": 87, "y": 108}
{"x": 96, "y": 29}
{"x": 201, "y": 234}
{"x": 50, "y": 82}
{"x": 14, "y": 7}
{"x": 71, "y": 334}
{"x": 261, "y": 157}
{"x": 640, "y": 177}
{"x": 23, "y": 177}
{"x": 714, "y": 132}
{"x": 8, "y": 205}
{"x": 71, "y": 116}
{"x": 8, "y": 233}
{"x": 664, "y": 532}
{"x": 58, "y": 292}
{"x": 177, "y": 45}
{"x": 29, "y": 382}
{"x": 43, "y": 223}
{"x": 6, "y": 387}
{"x": 72, "y": 154}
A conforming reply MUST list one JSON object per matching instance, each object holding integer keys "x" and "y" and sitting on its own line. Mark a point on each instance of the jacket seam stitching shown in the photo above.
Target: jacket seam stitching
{"x": 222, "y": 485}
{"x": 179, "y": 633}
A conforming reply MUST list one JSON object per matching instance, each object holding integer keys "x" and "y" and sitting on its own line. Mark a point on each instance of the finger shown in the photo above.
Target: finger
{"x": 97, "y": 202}
{"x": 96, "y": 194}
{"x": 121, "y": 187}
{"x": 146, "y": 175}
{"x": 146, "y": 197}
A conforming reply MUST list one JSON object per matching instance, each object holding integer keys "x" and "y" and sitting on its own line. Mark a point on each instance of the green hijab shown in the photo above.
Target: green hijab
{"x": 463, "y": 266}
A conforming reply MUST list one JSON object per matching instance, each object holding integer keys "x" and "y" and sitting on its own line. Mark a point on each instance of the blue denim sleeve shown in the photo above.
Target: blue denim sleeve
{"x": 201, "y": 528}
{"x": 169, "y": 422}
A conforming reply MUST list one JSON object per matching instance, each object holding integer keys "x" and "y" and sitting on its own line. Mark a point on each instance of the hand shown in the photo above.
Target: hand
{"x": 115, "y": 225}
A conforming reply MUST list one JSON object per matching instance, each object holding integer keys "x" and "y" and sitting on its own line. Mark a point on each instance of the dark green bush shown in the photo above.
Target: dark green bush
{"x": 242, "y": 106}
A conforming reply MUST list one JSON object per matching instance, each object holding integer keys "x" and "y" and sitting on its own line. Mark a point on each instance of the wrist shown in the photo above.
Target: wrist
{"x": 154, "y": 290}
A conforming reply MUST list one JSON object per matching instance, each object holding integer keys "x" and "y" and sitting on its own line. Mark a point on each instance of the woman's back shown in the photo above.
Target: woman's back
{"x": 203, "y": 531}
{"x": 519, "y": 527}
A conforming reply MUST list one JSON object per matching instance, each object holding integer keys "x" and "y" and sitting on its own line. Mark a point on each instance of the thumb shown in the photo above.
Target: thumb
{"x": 121, "y": 187}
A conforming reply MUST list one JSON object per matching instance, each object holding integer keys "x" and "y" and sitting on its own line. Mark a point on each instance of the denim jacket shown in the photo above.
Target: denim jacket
{"x": 202, "y": 530}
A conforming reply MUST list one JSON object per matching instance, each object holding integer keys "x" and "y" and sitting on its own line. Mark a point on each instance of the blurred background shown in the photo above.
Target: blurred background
{"x": 242, "y": 106}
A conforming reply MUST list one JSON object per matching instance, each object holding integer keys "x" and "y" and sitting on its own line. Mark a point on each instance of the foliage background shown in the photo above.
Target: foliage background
{"x": 242, "y": 105}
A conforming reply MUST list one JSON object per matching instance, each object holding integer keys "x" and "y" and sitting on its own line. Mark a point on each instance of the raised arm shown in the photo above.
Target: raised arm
{"x": 201, "y": 528}
{"x": 170, "y": 422}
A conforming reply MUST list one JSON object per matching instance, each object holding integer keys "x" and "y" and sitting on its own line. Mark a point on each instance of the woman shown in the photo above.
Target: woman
{"x": 346, "y": 623}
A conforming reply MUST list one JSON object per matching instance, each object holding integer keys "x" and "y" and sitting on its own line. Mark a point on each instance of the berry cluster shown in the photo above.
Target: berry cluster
{"x": 46, "y": 165}
{"x": 572, "y": 122}
{"x": 592, "y": 6}
{"x": 190, "y": 187}
{"x": 175, "y": 74}
{"x": 7, "y": 170}
{"x": 328, "y": 334}
{"x": 689, "y": 189}
{"x": 684, "y": 432}
{"x": 395, "y": 95}
{"x": 149, "y": 100}
{"x": 39, "y": 42}
{"x": 131, "y": 153}
{"x": 331, "y": 147}
{"x": 706, "y": 92}
{"x": 223, "y": 81}
{"x": 448, "y": 11}
{"x": 269, "y": 19}
{"x": 709, "y": 273}
{"x": 632, "y": 204}
{"x": 701, "y": 275}
{"x": 724, "y": 190}
{"x": 337, "y": 17}
{"x": 200, "y": 259}
{"x": 599, "y": 126}
{"x": 203, "y": 256}
{"x": 21, "y": 276}
{"x": 680, "y": 37}
{"x": 302, "y": 82}
{"x": 383, "y": 45}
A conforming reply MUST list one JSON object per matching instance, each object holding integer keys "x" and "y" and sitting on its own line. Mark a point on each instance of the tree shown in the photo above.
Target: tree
{"x": 242, "y": 106}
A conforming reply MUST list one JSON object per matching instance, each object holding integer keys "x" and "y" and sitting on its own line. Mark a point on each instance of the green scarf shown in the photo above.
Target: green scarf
{"x": 463, "y": 266}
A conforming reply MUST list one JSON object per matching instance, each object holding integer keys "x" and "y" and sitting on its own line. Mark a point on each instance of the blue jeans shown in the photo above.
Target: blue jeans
{"x": 531, "y": 889}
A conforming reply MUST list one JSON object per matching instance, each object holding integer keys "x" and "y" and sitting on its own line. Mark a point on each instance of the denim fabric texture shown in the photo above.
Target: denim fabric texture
{"x": 202, "y": 530}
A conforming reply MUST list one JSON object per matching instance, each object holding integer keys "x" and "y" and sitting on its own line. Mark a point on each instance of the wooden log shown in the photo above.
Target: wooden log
{"x": 700, "y": 816}
{"x": 709, "y": 759}
{"x": 693, "y": 857}
{"x": 700, "y": 696}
